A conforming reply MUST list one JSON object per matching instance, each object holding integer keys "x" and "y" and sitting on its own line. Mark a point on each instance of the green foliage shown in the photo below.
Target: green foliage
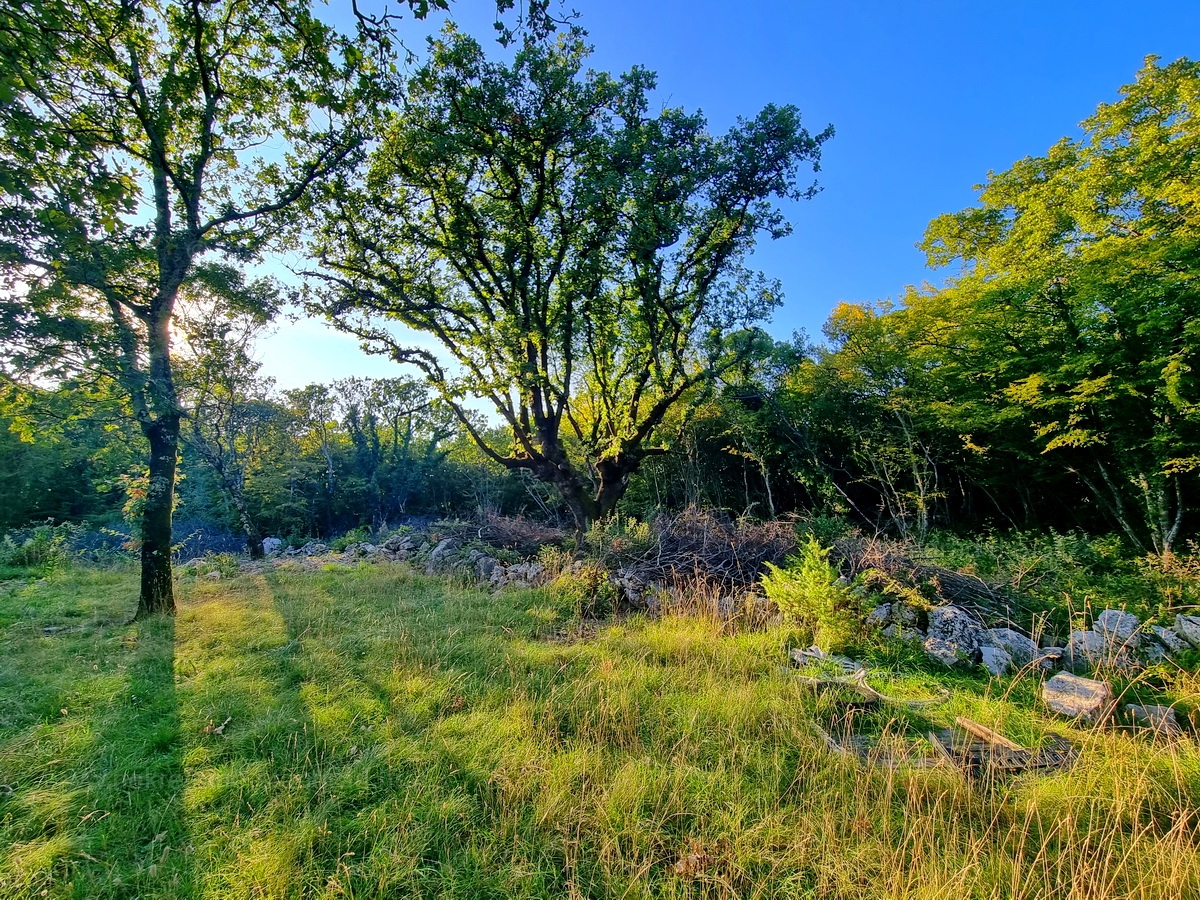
{"x": 620, "y": 537}
{"x": 809, "y": 591}
{"x": 579, "y": 258}
{"x": 46, "y": 547}
{"x": 353, "y": 536}
{"x": 588, "y": 588}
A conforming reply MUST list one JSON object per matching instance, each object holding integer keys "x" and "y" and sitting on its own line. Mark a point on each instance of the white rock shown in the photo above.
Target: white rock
{"x": 1070, "y": 695}
{"x": 1188, "y": 628}
{"x": 271, "y": 546}
{"x": 1085, "y": 649}
{"x": 896, "y": 631}
{"x": 996, "y": 659}
{"x": 955, "y": 628}
{"x": 1169, "y": 639}
{"x": 1050, "y": 658}
{"x": 1160, "y": 718}
{"x": 1020, "y": 648}
{"x": 944, "y": 652}
{"x": 1119, "y": 628}
{"x": 214, "y": 575}
{"x": 879, "y": 616}
{"x": 902, "y": 614}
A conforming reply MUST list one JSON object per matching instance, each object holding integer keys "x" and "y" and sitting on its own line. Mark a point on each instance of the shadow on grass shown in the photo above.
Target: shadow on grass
{"x": 91, "y": 756}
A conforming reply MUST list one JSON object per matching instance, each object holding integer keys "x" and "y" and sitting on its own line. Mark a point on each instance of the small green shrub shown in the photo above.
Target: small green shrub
{"x": 353, "y": 536}
{"x": 621, "y": 537}
{"x": 46, "y": 547}
{"x": 809, "y": 592}
{"x": 588, "y": 589}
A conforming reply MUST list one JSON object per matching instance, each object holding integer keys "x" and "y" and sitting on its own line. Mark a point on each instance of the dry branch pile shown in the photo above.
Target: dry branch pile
{"x": 698, "y": 545}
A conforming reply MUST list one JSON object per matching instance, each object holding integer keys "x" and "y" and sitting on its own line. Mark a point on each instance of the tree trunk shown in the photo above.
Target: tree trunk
{"x": 156, "y": 595}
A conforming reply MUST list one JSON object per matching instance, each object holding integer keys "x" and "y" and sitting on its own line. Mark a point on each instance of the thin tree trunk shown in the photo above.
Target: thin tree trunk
{"x": 156, "y": 594}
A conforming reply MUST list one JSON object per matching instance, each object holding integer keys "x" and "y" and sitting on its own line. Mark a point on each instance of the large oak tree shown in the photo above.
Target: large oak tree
{"x": 577, "y": 260}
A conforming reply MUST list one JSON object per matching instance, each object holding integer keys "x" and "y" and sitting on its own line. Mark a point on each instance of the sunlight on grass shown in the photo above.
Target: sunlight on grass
{"x": 372, "y": 733}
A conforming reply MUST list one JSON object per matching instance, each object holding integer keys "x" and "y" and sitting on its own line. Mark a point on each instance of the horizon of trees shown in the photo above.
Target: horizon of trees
{"x": 1053, "y": 380}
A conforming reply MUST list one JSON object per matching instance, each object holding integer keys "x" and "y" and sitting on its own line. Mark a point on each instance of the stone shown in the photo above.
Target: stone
{"x": 952, "y": 631}
{"x": 1022, "y": 650}
{"x": 397, "y": 543}
{"x": 1118, "y": 628}
{"x": 903, "y": 614}
{"x": 1050, "y": 658}
{"x": 1160, "y": 718}
{"x": 880, "y": 615}
{"x": 1169, "y": 639}
{"x": 1152, "y": 652}
{"x": 485, "y": 566}
{"x": 1085, "y": 650}
{"x": 214, "y": 575}
{"x": 944, "y": 652}
{"x": 439, "y": 554}
{"x": 1188, "y": 628}
{"x": 896, "y": 631}
{"x": 271, "y": 546}
{"x": 313, "y": 548}
{"x": 995, "y": 659}
{"x": 1078, "y": 698}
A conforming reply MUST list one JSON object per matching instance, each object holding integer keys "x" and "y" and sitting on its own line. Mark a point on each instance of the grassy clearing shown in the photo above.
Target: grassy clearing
{"x": 389, "y": 735}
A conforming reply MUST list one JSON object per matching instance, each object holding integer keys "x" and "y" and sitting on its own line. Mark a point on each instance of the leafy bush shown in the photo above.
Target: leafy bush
{"x": 45, "y": 547}
{"x": 809, "y": 592}
{"x": 589, "y": 589}
{"x": 621, "y": 537}
{"x": 354, "y": 536}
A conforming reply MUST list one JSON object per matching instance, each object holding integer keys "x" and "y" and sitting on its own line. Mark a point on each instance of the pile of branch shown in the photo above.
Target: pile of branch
{"x": 525, "y": 536}
{"x": 856, "y": 553}
{"x": 709, "y": 547}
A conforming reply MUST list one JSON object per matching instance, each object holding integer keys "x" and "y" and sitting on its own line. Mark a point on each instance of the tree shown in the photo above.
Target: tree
{"x": 230, "y": 411}
{"x": 1076, "y": 307}
{"x": 578, "y": 261}
{"x": 132, "y": 145}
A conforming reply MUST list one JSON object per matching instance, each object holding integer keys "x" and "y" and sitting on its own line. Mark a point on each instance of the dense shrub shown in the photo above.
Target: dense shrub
{"x": 810, "y": 592}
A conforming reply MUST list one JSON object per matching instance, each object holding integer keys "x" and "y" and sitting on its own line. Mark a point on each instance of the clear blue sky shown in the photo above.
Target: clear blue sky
{"x": 926, "y": 98}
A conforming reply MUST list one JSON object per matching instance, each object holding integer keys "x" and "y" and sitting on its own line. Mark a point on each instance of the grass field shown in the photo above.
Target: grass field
{"x": 366, "y": 732}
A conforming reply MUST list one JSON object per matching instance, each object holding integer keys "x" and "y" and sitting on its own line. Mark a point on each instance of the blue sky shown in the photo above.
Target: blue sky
{"x": 926, "y": 98}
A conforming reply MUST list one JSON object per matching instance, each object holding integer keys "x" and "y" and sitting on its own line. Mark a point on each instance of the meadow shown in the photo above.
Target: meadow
{"x": 368, "y": 732}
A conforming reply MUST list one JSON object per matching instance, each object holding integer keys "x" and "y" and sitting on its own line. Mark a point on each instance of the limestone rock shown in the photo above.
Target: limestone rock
{"x": 996, "y": 660}
{"x": 271, "y": 546}
{"x": 1075, "y": 697}
{"x": 1050, "y": 658}
{"x": 1085, "y": 649}
{"x": 943, "y": 651}
{"x": 953, "y": 633}
{"x": 1118, "y": 628}
{"x": 1188, "y": 628}
{"x": 440, "y": 554}
{"x": 899, "y": 632}
{"x": 398, "y": 543}
{"x": 1169, "y": 639}
{"x": 1160, "y": 718}
{"x": 1020, "y": 648}
{"x": 485, "y": 566}
{"x": 880, "y": 615}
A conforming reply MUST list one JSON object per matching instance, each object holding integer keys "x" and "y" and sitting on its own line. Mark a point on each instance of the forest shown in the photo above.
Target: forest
{"x": 533, "y": 616}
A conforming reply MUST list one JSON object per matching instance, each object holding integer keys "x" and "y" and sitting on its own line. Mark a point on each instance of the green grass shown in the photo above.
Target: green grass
{"x": 391, "y": 735}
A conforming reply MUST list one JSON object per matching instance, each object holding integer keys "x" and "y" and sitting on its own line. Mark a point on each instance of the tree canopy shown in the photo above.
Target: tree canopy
{"x": 578, "y": 260}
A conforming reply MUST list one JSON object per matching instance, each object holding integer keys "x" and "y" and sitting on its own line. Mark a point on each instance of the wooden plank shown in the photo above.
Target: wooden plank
{"x": 941, "y": 749}
{"x": 986, "y": 734}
